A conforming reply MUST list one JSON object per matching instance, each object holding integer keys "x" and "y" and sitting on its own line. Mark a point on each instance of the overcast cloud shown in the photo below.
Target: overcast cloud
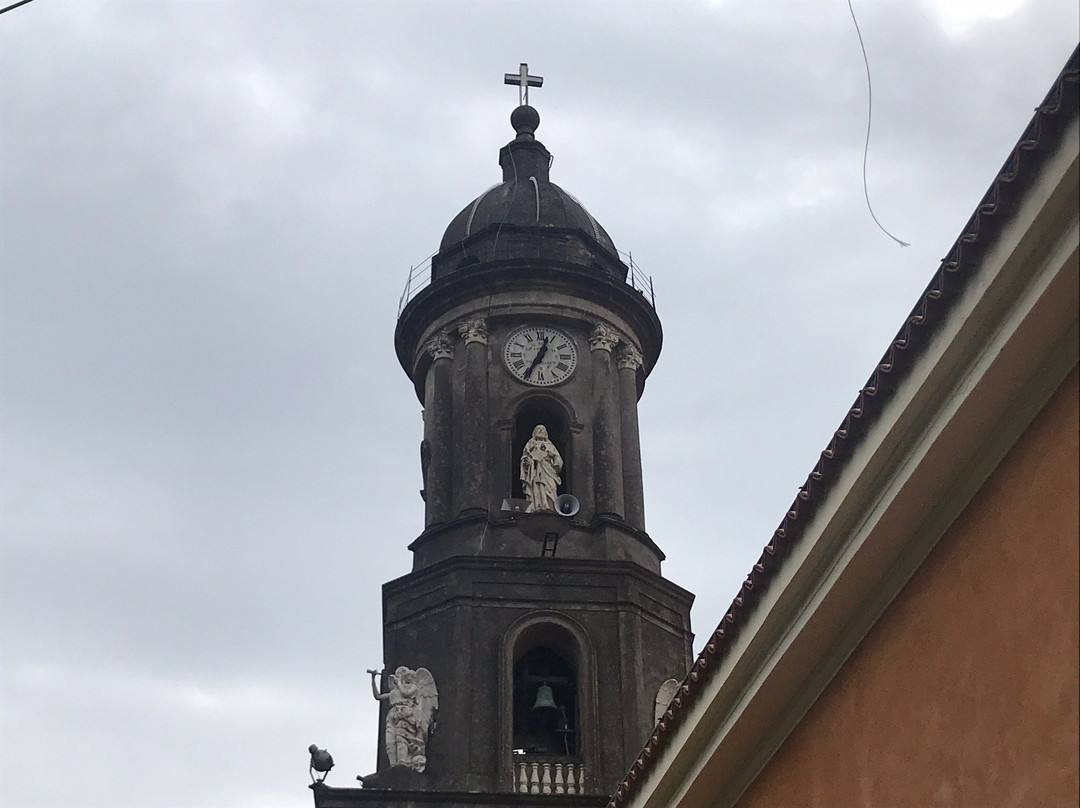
{"x": 209, "y": 210}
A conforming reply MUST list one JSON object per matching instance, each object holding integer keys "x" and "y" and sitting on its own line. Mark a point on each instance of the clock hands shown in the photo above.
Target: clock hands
{"x": 537, "y": 359}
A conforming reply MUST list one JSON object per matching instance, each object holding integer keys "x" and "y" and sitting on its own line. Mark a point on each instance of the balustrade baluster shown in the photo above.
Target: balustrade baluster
{"x": 553, "y": 776}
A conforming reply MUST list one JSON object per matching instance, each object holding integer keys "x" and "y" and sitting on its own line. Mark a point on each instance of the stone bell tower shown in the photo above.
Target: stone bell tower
{"x": 535, "y": 605}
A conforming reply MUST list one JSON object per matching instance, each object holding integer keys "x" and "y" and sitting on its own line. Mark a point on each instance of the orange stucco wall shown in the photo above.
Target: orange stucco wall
{"x": 964, "y": 693}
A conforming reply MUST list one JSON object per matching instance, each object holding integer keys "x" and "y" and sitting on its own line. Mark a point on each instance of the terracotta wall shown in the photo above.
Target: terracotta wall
{"x": 965, "y": 691}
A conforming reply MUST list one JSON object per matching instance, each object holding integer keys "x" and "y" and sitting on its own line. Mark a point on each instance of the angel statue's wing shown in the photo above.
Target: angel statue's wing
{"x": 664, "y": 696}
{"x": 428, "y": 696}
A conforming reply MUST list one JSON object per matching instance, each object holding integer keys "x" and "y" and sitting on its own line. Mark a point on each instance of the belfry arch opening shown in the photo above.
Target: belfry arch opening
{"x": 530, "y": 414}
{"x": 545, "y": 705}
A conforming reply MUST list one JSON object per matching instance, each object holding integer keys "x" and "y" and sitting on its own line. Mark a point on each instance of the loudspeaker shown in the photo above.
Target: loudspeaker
{"x": 567, "y": 505}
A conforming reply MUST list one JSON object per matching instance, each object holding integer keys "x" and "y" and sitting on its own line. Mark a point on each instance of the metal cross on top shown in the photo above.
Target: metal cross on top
{"x": 524, "y": 81}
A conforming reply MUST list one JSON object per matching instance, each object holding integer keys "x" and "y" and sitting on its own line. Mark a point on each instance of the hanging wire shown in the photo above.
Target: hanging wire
{"x": 869, "y": 115}
{"x": 14, "y": 5}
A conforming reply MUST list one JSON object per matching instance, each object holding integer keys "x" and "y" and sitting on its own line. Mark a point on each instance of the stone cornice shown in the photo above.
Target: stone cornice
{"x": 490, "y": 281}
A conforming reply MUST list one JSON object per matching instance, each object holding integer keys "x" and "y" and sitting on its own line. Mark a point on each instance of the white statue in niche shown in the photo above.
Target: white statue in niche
{"x": 413, "y": 700}
{"x": 664, "y": 696}
{"x": 540, "y": 467}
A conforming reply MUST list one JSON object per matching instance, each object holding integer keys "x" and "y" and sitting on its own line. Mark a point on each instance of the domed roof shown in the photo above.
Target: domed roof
{"x": 527, "y": 201}
{"x": 526, "y": 197}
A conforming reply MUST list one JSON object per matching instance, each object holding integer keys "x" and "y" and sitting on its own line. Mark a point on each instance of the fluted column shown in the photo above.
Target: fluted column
{"x": 473, "y": 419}
{"x": 438, "y": 428}
{"x": 628, "y": 358}
{"x": 607, "y": 454}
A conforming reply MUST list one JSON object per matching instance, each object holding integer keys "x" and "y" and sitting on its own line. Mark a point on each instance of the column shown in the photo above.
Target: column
{"x": 438, "y": 428}
{"x": 628, "y": 359}
{"x": 607, "y": 453}
{"x": 475, "y": 491}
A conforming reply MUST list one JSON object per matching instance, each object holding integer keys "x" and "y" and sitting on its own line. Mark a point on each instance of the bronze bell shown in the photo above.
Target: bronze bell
{"x": 544, "y": 699}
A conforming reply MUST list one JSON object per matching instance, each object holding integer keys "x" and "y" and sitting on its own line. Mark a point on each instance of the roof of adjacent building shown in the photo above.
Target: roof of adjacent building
{"x": 1041, "y": 137}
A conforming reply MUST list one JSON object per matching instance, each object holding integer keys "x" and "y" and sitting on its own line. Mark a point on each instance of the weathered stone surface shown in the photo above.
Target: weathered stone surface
{"x": 458, "y": 619}
{"x": 504, "y": 606}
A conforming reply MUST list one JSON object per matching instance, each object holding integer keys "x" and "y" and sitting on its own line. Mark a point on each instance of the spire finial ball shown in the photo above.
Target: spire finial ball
{"x": 525, "y": 119}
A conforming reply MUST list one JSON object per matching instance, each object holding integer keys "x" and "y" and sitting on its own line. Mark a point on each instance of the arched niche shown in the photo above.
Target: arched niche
{"x": 556, "y": 415}
{"x": 544, "y": 703}
{"x": 547, "y": 644}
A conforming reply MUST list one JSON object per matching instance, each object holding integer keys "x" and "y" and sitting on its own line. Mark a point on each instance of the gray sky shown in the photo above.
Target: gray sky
{"x": 209, "y": 210}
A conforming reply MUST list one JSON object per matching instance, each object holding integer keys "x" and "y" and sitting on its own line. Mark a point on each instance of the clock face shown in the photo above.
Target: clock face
{"x": 540, "y": 355}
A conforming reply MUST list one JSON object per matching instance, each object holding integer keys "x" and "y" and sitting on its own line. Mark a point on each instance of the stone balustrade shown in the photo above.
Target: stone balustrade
{"x": 534, "y": 775}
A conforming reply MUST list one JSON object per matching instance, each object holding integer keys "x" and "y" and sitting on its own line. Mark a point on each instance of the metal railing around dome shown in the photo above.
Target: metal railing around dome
{"x": 420, "y": 277}
{"x": 638, "y": 280}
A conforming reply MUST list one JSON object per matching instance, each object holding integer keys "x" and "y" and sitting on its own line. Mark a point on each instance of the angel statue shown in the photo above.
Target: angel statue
{"x": 540, "y": 467}
{"x": 413, "y": 700}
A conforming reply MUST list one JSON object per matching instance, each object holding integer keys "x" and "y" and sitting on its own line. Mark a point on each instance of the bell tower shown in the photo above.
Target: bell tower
{"x": 535, "y": 605}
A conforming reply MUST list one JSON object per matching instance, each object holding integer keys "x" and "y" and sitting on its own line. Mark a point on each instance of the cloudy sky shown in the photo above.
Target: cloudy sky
{"x": 209, "y": 210}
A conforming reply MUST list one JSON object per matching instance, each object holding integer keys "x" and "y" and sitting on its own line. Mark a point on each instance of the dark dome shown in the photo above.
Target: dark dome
{"x": 526, "y": 197}
{"x": 528, "y": 203}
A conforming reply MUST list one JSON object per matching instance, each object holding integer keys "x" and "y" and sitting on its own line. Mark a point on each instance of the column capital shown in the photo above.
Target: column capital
{"x": 474, "y": 331}
{"x": 628, "y": 357}
{"x": 603, "y": 338}
{"x": 440, "y": 346}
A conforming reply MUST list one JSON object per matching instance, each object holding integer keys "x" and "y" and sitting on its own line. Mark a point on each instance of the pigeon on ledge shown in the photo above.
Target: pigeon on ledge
{"x": 320, "y": 762}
